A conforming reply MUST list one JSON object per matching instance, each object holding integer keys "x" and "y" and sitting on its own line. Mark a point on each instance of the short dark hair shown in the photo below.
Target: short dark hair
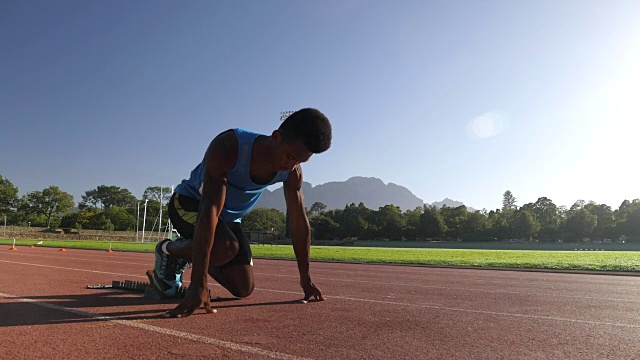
{"x": 309, "y": 126}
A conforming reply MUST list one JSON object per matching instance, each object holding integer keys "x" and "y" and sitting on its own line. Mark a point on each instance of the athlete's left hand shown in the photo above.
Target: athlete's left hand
{"x": 310, "y": 289}
{"x": 197, "y": 295}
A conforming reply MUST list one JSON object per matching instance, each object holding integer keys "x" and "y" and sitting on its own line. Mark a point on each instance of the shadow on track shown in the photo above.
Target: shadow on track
{"x": 20, "y": 313}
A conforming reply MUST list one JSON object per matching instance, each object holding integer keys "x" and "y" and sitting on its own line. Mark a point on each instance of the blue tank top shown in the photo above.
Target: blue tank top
{"x": 242, "y": 193}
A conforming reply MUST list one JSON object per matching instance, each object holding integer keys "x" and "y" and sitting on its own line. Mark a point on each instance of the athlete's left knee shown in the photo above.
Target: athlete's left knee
{"x": 241, "y": 292}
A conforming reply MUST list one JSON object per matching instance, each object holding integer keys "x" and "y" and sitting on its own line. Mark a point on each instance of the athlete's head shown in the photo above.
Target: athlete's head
{"x": 310, "y": 126}
{"x": 302, "y": 134}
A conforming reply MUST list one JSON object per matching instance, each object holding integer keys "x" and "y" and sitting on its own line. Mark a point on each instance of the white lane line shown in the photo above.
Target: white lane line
{"x": 461, "y": 288}
{"x": 132, "y": 259}
{"x": 550, "y": 278}
{"x": 183, "y": 335}
{"x": 74, "y": 269}
{"x": 486, "y": 312}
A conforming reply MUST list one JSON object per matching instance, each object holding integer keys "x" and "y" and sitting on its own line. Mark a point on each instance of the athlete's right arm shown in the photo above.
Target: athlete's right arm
{"x": 220, "y": 157}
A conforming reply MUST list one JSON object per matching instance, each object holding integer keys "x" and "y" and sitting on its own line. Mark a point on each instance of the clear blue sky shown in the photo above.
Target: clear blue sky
{"x": 458, "y": 99}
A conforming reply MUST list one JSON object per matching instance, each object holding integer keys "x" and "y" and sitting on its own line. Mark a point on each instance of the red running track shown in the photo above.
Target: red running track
{"x": 372, "y": 311}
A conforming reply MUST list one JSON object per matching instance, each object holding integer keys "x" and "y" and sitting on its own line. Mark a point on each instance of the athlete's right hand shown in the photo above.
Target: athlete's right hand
{"x": 310, "y": 289}
{"x": 197, "y": 295}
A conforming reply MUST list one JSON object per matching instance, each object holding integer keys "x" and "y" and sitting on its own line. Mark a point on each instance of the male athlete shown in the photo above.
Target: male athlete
{"x": 207, "y": 209}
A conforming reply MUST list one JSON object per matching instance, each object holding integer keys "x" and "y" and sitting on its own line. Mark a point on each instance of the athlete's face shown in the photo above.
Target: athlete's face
{"x": 289, "y": 154}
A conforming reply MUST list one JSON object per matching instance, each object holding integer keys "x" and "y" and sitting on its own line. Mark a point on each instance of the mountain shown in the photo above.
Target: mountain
{"x": 449, "y": 203}
{"x": 373, "y": 192}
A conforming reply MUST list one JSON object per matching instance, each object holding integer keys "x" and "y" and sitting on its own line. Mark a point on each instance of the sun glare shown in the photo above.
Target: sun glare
{"x": 485, "y": 126}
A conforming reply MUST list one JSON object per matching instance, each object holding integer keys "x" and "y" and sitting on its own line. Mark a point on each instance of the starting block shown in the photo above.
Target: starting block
{"x": 149, "y": 291}
{"x": 141, "y": 287}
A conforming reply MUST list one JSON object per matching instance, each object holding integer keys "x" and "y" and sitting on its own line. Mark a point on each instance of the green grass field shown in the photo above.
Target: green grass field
{"x": 624, "y": 261}
{"x": 500, "y": 245}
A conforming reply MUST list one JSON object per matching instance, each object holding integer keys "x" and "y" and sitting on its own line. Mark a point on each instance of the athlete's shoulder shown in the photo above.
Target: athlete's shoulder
{"x": 223, "y": 150}
{"x": 226, "y": 140}
{"x": 241, "y": 131}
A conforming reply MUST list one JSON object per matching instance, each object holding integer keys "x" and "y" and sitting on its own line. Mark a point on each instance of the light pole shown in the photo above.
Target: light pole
{"x": 144, "y": 218}
{"x": 160, "y": 222}
{"x": 4, "y": 234}
{"x": 170, "y": 224}
{"x": 137, "y": 219}
{"x": 29, "y": 222}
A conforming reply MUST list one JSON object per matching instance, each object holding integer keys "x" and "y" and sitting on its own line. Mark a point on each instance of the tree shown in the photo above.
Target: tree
{"x": 79, "y": 220}
{"x": 581, "y": 224}
{"x": 100, "y": 221}
{"x": 629, "y": 219}
{"x": 508, "y": 201}
{"x": 499, "y": 225}
{"x": 631, "y": 226}
{"x": 317, "y": 208}
{"x": 412, "y": 223}
{"x": 475, "y": 226}
{"x": 49, "y": 202}
{"x": 353, "y": 220}
{"x": 324, "y": 228}
{"x": 626, "y": 208}
{"x": 454, "y": 218}
{"x": 21, "y": 214}
{"x": 154, "y": 192}
{"x": 8, "y": 195}
{"x": 605, "y": 222}
{"x": 547, "y": 214}
{"x": 525, "y": 224}
{"x": 390, "y": 222}
{"x": 107, "y": 196}
{"x": 263, "y": 219}
{"x": 120, "y": 218}
{"x": 579, "y": 204}
{"x": 432, "y": 225}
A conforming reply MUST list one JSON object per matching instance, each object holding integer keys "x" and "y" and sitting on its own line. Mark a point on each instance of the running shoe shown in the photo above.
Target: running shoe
{"x": 167, "y": 272}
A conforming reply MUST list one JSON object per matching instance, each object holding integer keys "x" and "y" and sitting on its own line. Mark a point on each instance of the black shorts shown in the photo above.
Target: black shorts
{"x": 183, "y": 213}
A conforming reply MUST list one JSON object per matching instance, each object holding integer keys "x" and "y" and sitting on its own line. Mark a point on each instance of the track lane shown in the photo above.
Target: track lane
{"x": 378, "y": 312}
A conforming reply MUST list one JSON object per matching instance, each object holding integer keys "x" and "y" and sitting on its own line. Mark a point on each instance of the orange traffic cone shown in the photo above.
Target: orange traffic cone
{"x": 13, "y": 248}
{"x": 63, "y": 250}
{"x": 32, "y": 247}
